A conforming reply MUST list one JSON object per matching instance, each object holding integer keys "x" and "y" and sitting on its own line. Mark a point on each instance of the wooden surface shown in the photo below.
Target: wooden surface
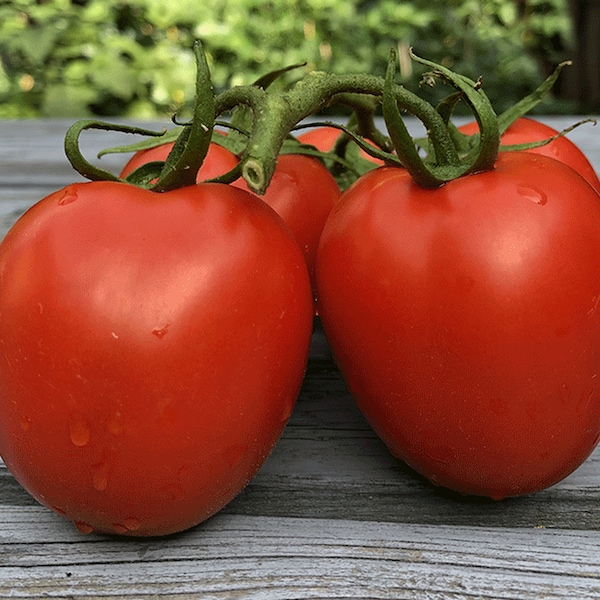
{"x": 330, "y": 515}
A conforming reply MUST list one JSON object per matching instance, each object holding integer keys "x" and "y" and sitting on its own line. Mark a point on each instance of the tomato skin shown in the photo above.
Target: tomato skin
{"x": 465, "y": 320}
{"x": 152, "y": 348}
{"x": 525, "y": 130}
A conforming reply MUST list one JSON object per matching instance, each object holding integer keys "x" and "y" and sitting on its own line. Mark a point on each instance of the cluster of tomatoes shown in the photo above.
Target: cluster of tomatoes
{"x": 153, "y": 345}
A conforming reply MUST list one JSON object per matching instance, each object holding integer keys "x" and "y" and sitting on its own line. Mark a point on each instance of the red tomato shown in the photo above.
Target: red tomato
{"x": 525, "y": 130}
{"x": 218, "y": 160}
{"x": 324, "y": 138}
{"x": 153, "y": 346}
{"x": 465, "y": 320}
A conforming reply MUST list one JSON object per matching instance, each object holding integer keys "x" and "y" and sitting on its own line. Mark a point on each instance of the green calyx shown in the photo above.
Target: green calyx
{"x": 262, "y": 123}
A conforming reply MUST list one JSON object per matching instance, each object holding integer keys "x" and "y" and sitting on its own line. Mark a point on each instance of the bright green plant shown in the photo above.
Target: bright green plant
{"x": 134, "y": 59}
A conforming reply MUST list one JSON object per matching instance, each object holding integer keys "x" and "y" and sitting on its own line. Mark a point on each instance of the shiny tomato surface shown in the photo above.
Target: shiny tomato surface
{"x": 525, "y": 130}
{"x": 466, "y": 323}
{"x": 152, "y": 349}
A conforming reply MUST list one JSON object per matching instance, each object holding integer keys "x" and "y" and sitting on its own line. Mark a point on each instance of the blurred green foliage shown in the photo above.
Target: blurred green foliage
{"x": 134, "y": 59}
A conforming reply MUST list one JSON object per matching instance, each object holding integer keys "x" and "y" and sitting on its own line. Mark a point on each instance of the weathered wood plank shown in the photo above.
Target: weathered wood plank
{"x": 257, "y": 557}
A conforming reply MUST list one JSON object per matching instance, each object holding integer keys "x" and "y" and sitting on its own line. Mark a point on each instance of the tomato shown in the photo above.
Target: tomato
{"x": 465, "y": 320}
{"x": 152, "y": 349}
{"x": 525, "y": 130}
{"x": 302, "y": 191}
{"x": 324, "y": 138}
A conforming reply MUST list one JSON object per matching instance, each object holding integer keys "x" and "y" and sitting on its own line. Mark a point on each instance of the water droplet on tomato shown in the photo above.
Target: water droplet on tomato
{"x": 497, "y": 496}
{"x": 160, "y": 332}
{"x": 25, "y": 423}
{"x": 235, "y": 454}
{"x": 115, "y": 423}
{"x": 441, "y": 453}
{"x": 132, "y": 524}
{"x": 287, "y": 412}
{"x": 533, "y": 194}
{"x": 100, "y": 476}
{"x": 80, "y": 431}
{"x": 584, "y": 402}
{"x": 83, "y": 527}
{"x": 127, "y": 526}
{"x": 69, "y": 195}
{"x": 173, "y": 492}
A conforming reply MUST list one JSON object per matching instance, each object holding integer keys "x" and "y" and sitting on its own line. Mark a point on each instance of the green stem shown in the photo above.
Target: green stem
{"x": 190, "y": 148}
{"x": 276, "y": 115}
{"x": 401, "y": 138}
{"x": 75, "y": 156}
{"x": 483, "y": 157}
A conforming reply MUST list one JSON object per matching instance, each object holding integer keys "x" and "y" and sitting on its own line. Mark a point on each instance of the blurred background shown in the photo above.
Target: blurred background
{"x": 111, "y": 58}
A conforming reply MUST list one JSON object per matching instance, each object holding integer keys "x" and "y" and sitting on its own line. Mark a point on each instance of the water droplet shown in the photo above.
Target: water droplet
{"x": 584, "y": 402}
{"x": 235, "y": 454}
{"x": 83, "y": 527}
{"x": 173, "y": 492}
{"x": 132, "y": 524}
{"x": 160, "y": 332}
{"x": 441, "y": 453}
{"x": 115, "y": 423}
{"x": 80, "y": 431}
{"x": 127, "y": 526}
{"x": 533, "y": 194}
{"x": 25, "y": 423}
{"x": 68, "y": 196}
{"x": 100, "y": 476}
{"x": 286, "y": 413}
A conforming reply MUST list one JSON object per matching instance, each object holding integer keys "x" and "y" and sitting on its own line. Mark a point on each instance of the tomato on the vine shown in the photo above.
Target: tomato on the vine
{"x": 465, "y": 320}
{"x": 153, "y": 346}
{"x": 525, "y": 130}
